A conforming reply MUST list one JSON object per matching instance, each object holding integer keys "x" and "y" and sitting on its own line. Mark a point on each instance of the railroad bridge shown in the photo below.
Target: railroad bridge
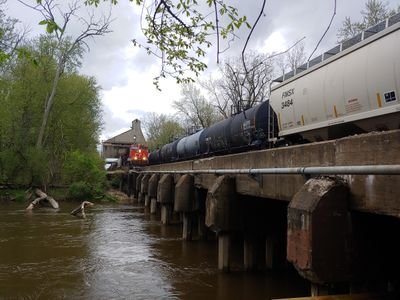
{"x": 331, "y": 209}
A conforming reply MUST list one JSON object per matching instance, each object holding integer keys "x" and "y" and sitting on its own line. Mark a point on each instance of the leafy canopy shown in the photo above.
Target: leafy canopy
{"x": 179, "y": 32}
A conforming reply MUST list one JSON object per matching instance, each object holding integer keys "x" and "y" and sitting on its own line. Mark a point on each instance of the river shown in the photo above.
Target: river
{"x": 118, "y": 252}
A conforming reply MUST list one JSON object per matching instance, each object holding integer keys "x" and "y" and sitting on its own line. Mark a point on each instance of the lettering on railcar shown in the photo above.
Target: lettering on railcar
{"x": 285, "y": 95}
{"x": 288, "y": 93}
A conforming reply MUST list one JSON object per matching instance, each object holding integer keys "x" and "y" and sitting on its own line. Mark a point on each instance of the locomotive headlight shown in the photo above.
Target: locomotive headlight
{"x": 135, "y": 158}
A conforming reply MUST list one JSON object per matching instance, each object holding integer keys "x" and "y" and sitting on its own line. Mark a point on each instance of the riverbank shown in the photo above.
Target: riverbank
{"x": 18, "y": 195}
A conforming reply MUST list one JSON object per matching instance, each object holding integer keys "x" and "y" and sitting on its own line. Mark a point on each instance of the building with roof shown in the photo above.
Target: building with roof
{"x": 118, "y": 146}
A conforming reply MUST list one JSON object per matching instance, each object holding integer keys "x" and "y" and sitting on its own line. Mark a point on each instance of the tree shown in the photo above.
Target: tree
{"x": 240, "y": 87}
{"x": 296, "y": 56}
{"x": 74, "y": 124}
{"x": 291, "y": 59}
{"x": 194, "y": 108}
{"x": 65, "y": 46}
{"x": 10, "y": 38}
{"x": 161, "y": 129}
{"x": 374, "y": 12}
{"x": 215, "y": 93}
{"x": 179, "y": 32}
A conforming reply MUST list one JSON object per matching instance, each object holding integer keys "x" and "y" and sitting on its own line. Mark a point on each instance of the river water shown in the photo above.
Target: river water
{"x": 118, "y": 252}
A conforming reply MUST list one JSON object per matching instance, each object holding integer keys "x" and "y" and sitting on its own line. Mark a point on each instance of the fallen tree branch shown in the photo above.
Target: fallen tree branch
{"x": 42, "y": 196}
{"x": 80, "y": 210}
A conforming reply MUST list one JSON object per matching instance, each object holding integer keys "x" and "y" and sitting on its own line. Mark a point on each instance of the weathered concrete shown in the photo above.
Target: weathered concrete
{"x": 152, "y": 193}
{"x": 165, "y": 196}
{"x": 132, "y": 184}
{"x": 152, "y": 186}
{"x": 166, "y": 189}
{"x": 187, "y": 229}
{"x": 184, "y": 194}
{"x": 222, "y": 214}
{"x": 147, "y": 200}
{"x": 374, "y": 194}
{"x": 166, "y": 214}
{"x": 153, "y": 206}
{"x": 185, "y": 204}
{"x": 334, "y": 234}
{"x": 200, "y": 196}
{"x": 249, "y": 254}
{"x": 138, "y": 188}
{"x": 318, "y": 231}
{"x": 224, "y": 249}
{"x": 144, "y": 187}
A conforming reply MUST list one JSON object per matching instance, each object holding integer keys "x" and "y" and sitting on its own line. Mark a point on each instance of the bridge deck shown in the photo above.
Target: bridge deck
{"x": 370, "y": 193}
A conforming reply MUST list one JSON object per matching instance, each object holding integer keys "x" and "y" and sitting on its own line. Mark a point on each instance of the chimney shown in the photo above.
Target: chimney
{"x": 135, "y": 124}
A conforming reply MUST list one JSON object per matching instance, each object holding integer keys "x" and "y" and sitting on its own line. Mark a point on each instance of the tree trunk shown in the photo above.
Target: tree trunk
{"x": 80, "y": 210}
{"x": 42, "y": 196}
{"x": 49, "y": 104}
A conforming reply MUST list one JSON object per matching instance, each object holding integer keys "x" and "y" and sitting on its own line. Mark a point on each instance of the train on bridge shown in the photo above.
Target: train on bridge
{"x": 138, "y": 155}
{"x": 353, "y": 88}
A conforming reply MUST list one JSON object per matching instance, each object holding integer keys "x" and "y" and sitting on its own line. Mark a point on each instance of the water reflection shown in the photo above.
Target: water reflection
{"x": 118, "y": 252}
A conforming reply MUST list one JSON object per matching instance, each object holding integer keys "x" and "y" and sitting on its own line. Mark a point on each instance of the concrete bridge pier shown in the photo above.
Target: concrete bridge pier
{"x": 222, "y": 216}
{"x": 253, "y": 249}
{"x": 185, "y": 204}
{"x": 132, "y": 185}
{"x": 138, "y": 184}
{"x": 271, "y": 252}
{"x": 128, "y": 184}
{"x": 165, "y": 196}
{"x": 144, "y": 187}
{"x": 264, "y": 227}
{"x": 253, "y": 223}
{"x": 318, "y": 233}
{"x": 152, "y": 193}
{"x": 123, "y": 183}
{"x": 200, "y": 196}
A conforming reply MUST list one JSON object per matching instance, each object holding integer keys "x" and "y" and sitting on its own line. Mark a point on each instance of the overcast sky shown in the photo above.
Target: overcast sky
{"x": 126, "y": 73}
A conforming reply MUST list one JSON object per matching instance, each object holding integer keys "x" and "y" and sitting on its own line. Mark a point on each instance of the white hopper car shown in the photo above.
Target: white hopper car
{"x": 352, "y": 88}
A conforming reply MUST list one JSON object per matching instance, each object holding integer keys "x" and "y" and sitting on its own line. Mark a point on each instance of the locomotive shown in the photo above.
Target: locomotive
{"x": 350, "y": 89}
{"x": 138, "y": 155}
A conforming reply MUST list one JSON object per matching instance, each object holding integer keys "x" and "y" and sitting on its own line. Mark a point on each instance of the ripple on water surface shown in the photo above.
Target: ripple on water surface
{"x": 116, "y": 253}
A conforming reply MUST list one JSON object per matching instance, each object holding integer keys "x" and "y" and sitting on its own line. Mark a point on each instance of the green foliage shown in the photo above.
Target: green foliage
{"x": 110, "y": 198}
{"x": 19, "y": 196}
{"x": 115, "y": 182}
{"x": 36, "y": 165}
{"x": 80, "y": 191}
{"x": 3, "y": 56}
{"x": 179, "y": 32}
{"x": 73, "y": 126}
{"x": 12, "y": 195}
{"x": 85, "y": 172}
{"x": 9, "y": 38}
{"x": 51, "y": 25}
